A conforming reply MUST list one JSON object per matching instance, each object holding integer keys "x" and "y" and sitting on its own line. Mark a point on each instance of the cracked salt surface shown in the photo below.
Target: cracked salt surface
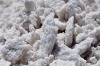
{"x": 49, "y": 32}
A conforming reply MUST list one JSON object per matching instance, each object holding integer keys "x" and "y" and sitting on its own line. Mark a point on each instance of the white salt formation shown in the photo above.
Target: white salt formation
{"x": 49, "y": 32}
{"x": 69, "y": 31}
{"x": 13, "y": 47}
{"x": 4, "y": 63}
{"x": 61, "y": 62}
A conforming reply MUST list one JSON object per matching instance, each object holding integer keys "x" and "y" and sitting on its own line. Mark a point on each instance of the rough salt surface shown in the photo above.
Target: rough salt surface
{"x": 49, "y": 32}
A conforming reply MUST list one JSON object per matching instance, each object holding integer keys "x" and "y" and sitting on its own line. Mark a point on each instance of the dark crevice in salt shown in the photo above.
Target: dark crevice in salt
{"x": 28, "y": 13}
{"x": 55, "y": 50}
{"x": 65, "y": 1}
{"x": 40, "y": 25}
{"x": 86, "y": 54}
{"x": 55, "y": 16}
{"x": 61, "y": 31}
{"x": 73, "y": 43}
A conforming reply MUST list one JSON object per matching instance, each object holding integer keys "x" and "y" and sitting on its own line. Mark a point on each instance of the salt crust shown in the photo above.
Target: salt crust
{"x": 50, "y": 33}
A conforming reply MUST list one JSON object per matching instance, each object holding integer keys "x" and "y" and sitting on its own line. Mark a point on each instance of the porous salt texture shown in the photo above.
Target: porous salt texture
{"x": 49, "y": 32}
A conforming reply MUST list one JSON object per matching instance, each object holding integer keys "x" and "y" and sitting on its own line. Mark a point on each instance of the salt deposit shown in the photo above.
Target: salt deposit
{"x": 49, "y": 32}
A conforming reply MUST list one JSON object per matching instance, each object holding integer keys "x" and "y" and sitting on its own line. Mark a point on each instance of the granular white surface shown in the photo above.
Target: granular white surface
{"x": 49, "y": 32}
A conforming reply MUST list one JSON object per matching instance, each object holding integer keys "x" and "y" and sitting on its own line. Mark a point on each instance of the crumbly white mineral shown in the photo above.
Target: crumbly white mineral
{"x": 49, "y": 32}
